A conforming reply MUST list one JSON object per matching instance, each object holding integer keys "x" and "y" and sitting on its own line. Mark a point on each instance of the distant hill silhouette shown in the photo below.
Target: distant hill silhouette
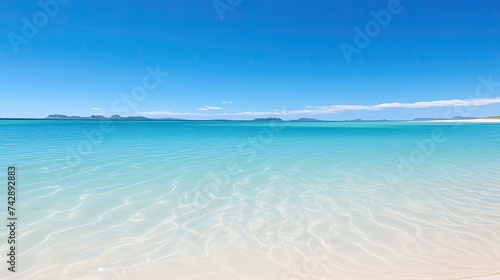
{"x": 140, "y": 118}
{"x": 112, "y": 118}
{"x": 267, "y": 119}
{"x": 444, "y": 119}
{"x": 307, "y": 120}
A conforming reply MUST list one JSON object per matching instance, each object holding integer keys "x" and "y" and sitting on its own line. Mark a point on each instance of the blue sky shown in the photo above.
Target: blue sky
{"x": 261, "y": 58}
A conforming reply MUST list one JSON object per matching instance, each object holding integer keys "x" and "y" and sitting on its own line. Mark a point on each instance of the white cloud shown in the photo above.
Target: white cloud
{"x": 96, "y": 109}
{"x": 334, "y": 109}
{"x": 227, "y": 102}
{"x": 207, "y": 108}
{"x": 440, "y": 103}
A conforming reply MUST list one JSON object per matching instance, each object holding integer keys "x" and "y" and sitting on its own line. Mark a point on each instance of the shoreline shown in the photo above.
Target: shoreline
{"x": 467, "y": 121}
{"x": 134, "y": 119}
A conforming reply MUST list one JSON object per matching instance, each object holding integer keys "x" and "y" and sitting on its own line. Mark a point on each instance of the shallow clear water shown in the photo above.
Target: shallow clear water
{"x": 248, "y": 200}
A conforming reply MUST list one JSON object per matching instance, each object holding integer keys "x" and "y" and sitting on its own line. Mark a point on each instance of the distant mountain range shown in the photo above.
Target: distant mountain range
{"x": 136, "y": 118}
{"x": 307, "y": 120}
{"x": 139, "y": 118}
{"x": 267, "y": 119}
{"x": 101, "y": 117}
{"x": 444, "y": 119}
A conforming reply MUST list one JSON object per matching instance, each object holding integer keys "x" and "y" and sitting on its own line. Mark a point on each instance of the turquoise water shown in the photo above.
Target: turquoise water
{"x": 248, "y": 200}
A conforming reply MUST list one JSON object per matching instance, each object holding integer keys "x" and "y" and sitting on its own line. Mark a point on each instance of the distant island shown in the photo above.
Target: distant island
{"x": 269, "y": 119}
{"x": 139, "y": 118}
{"x": 113, "y": 118}
{"x": 306, "y": 120}
{"x": 442, "y": 119}
{"x": 360, "y": 120}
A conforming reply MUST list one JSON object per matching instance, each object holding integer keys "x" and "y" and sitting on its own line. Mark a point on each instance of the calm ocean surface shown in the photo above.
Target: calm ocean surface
{"x": 252, "y": 200}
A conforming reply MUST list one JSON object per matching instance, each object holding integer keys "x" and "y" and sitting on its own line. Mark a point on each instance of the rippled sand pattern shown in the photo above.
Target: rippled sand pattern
{"x": 198, "y": 200}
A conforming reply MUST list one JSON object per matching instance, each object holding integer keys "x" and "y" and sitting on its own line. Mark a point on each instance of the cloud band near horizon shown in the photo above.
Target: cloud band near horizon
{"x": 334, "y": 109}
